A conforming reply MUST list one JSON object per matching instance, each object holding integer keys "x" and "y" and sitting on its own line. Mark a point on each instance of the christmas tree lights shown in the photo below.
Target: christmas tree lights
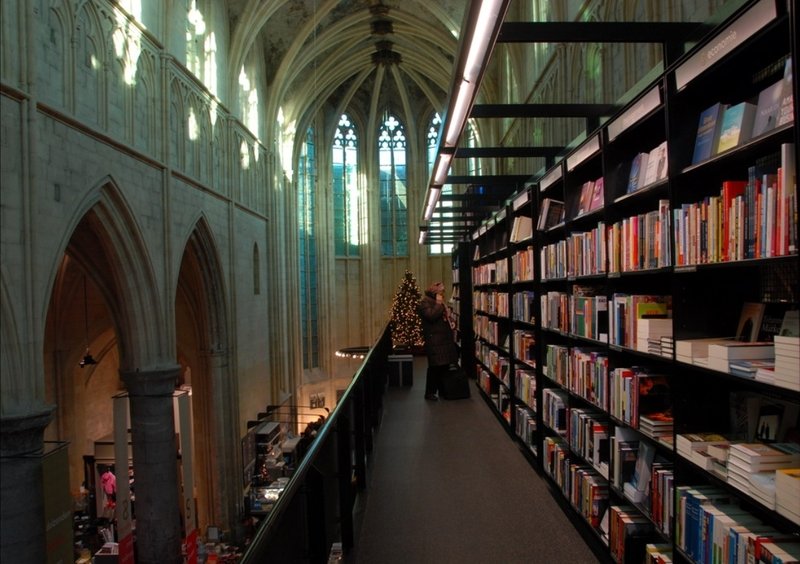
{"x": 405, "y": 322}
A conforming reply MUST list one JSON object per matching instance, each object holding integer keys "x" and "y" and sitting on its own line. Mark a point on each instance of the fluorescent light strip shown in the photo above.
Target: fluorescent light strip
{"x": 422, "y": 236}
{"x": 433, "y": 198}
{"x": 456, "y": 121}
{"x": 442, "y": 168}
{"x": 480, "y": 39}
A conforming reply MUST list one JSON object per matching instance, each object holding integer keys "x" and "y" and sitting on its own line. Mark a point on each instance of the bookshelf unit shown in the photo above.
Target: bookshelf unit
{"x": 629, "y": 279}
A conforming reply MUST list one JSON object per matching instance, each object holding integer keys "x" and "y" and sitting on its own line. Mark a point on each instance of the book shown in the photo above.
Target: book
{"x": 585, "y": 198}
{"x": 750, "y": 321}
{"x": 790, "y": 326}
{"x": 757, "y": 455}
{"x": 598, "y": 194}
{"x": 767, "y": 109}
{"x": 656, "y": 165}
{"x": 786, "y": 111}
{"x": 522, "y": 229}
{"x": 550, "y": 214}
{"x": 705, "y": 144}
{"x": 731, "y": 189}
{"x": 737, "y": 350}
{"x": 737, "y": 124}
{"x": 637, "y": 173}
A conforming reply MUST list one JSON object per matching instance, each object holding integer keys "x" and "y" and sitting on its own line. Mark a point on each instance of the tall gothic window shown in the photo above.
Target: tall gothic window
{"x": 307, "y": 245}
{"x": 432, "y": 141}
{"x": 345, "y": 189}
{"x": 392, "y": 188}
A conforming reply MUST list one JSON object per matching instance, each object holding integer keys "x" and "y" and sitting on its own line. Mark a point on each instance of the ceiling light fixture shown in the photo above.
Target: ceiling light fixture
{"x": 87, "y": 359}
{"x": 480, "y": 29}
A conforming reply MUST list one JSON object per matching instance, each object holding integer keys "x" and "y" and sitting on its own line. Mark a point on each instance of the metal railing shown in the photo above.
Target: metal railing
{"x": 316, "y": 507}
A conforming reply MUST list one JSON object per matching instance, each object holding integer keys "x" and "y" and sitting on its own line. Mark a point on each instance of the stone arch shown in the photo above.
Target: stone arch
{"x": 202, "y": 341}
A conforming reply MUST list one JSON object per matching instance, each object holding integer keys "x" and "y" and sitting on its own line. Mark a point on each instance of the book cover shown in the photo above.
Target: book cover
{"x": 767, "y": 108}
{"x": 705, "y": 143}
{"x": 750, "y": 321}
{"x": 786, "y": 112}
{"x": 737, "y": 124}
{"x": 585, "y": 198}
{"x": 598, "y": 195}
{"x": 656, "y": 165}
{"x": 636, "y": 175}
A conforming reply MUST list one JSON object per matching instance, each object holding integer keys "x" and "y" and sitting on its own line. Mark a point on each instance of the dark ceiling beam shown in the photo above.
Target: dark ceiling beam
{"x": 465, "y": 209}
{"x": 489, "y": 181}
{"x": 600, "y": 32}
{"x": 506, "y": 152}
{"x": 543, "y": 110}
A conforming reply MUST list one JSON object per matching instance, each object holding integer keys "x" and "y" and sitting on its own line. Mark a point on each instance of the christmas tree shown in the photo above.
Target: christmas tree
{"x": 405, "y": 323}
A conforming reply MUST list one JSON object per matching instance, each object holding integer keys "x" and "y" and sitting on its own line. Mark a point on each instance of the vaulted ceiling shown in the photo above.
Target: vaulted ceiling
{"x": 337, "y": 53}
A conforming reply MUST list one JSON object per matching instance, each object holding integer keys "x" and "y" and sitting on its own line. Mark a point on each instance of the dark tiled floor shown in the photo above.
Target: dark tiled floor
{"x": 447, "y": 484}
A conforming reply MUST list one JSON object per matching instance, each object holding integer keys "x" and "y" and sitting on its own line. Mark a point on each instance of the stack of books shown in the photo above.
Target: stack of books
{"x": 787, "y": 493}
{"x": 694, "y": 447}
{"x": 749, "y": 368}
{"x": 656, "y": 425}
{"x": 718, "y": 453}
{"x": 651, "y": 329}
{"x": 721, "y": 355}
{"x": 762, "y": 488}
{"x": 787, "y": 361}
{"x": 695, "y": 351}
{"x": 667, "y": 345}
{"x": 746, "y": 459}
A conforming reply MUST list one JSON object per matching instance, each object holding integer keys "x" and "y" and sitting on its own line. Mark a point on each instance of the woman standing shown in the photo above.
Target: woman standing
{"x": 437, "y": 333}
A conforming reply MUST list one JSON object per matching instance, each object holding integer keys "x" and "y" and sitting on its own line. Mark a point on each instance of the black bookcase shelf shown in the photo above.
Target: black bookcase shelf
{"x": 704, "y": 298}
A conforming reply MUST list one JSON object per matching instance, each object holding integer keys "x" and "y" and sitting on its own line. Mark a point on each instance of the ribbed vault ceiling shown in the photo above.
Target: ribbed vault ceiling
{"x": 349, "y": 53}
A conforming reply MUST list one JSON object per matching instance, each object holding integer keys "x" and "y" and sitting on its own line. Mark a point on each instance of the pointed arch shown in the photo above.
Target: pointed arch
{"x": 106, "y": 241}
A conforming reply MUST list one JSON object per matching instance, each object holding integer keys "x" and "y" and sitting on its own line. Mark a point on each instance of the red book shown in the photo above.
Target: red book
{"x": 730, "y": 190}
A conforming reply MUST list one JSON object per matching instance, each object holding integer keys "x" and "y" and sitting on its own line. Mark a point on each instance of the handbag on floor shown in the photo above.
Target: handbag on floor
{"x": 455, "y": 384}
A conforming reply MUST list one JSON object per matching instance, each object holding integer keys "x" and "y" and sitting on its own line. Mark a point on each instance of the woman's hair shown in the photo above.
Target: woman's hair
{"x": 433, "y": 288}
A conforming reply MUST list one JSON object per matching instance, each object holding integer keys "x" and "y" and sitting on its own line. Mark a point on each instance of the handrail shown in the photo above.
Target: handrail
{"x": 271, "y": 524}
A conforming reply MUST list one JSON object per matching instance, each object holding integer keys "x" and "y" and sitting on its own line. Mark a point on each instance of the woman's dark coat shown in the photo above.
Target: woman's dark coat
{"x": 439, "y": 344}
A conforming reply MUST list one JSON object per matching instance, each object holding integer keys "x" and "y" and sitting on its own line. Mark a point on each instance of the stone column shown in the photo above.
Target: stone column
{"x": 158, "y": 536}
{"x": 21, "y": 490}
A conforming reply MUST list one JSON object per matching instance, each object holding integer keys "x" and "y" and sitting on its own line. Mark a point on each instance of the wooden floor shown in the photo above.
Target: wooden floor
{"x": 447, "y": 484}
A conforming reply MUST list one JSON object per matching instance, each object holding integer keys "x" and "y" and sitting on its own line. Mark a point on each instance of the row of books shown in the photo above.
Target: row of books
{"x": 724, "y": 126}
{"x": 490, "y": 273}
{"x": 525, "y": 425}
{"x": 711, "y": 527}
{"x": 525, "y": 386}
{"x": 647, "y": 168}
{"x": 524, "y": 302}
{"x": 635, "y": 392}
{"x": 487, "y": 329}
{"x": 640, "y": 242}
{"x": 587, "y": 434}
{"x": 524, "y": 346}
{"x": 580, "y": 254}
{"x": 522, "y": 265}
{"x": 491, "y": 302}
{"x": 554, "y": 412}
{"x": 580, "y": 483}
{"x": 748, "y": 219}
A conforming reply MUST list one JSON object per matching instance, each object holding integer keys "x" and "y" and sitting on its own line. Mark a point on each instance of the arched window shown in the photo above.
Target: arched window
{"x": 392, "y": 188}
{"x": 307, "y": 248}
{"x": 432, "y": 141}
{"x": 345, "y": 189}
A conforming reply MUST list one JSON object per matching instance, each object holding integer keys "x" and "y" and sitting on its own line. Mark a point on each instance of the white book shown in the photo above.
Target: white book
{"x": 737, "y": 350}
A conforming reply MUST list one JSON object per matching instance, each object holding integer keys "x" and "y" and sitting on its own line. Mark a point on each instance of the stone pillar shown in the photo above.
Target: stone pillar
{"x": 21, "y": 490}
{"x": 155, "y": 465}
